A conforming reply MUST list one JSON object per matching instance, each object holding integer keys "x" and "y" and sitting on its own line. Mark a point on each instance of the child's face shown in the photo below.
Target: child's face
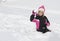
{"x": 40, "y": 13}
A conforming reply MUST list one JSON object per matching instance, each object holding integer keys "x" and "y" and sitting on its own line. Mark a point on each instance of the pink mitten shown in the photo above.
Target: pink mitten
{"x": 33, "y": 12}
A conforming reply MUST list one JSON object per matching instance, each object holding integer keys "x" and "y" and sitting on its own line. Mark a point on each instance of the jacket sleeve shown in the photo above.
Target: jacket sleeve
{"x": 47, "y": 21}
{"x": 31, "y": 17}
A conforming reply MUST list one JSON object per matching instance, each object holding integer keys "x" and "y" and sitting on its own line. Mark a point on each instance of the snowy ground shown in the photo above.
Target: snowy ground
{"x": 16, "y": 26}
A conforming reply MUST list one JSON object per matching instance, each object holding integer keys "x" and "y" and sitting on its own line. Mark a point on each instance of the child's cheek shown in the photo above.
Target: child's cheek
{"x": 40, "y": 14}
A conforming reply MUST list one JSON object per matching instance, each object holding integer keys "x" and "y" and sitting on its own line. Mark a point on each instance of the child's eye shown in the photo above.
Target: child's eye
{"x": 39, "y": 11}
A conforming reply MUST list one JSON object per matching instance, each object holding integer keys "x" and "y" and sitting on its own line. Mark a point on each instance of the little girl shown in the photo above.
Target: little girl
{"x": 41, "y": 21}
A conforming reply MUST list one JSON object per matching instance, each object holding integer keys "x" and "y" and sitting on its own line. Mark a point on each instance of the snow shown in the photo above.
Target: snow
{"x": 16, "y": 26}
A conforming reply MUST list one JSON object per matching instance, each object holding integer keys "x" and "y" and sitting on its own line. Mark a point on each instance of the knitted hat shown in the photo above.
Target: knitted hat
{"x": 41, "y": 8}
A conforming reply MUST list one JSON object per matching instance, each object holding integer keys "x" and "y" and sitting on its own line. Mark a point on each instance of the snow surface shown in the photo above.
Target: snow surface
{"x": 16, "y": 26}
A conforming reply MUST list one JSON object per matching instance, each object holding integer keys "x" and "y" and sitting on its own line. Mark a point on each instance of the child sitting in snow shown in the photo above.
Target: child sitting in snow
{"x": 41, "y": 21}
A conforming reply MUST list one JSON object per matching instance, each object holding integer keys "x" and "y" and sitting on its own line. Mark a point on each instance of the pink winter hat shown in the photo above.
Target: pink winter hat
{"x": 41, "y": 8}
